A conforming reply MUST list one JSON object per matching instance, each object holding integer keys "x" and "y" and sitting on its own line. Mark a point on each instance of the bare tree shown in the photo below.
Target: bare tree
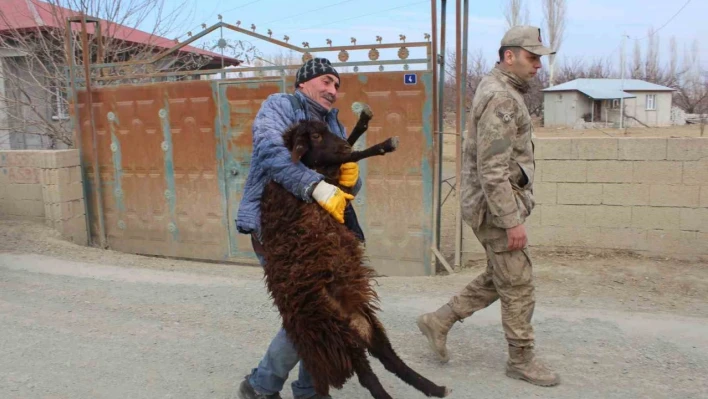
{"x": 477, "y": 68}
{"x": 534, "y": 97}
{"x": 601, "y": 69}
{"x": 692, "y": 88}
{"x": 651, "y": 64}
{"x": 636, "y": 71}
{"x": 554, "y": 14}
{"x": 570, "y": 69}
{"x": 578, "y": 69}
{"x": 649, "y": 67}
{"x": 673, "y": 62}
{"x": 280, "y": 59}
{"x": 36, "y": 80}
{"x": 515, "y": 13}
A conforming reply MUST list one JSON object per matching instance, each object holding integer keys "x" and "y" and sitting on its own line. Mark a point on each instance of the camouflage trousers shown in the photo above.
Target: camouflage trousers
{"x": 508, "y": 277}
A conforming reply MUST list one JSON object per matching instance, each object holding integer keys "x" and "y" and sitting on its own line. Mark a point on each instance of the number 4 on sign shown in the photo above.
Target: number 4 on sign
{"x": 410, "y": 79}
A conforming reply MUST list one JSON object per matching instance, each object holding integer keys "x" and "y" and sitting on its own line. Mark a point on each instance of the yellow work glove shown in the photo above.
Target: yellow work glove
{"x": 332, "y": 199}
{"x": 348, "y": 174}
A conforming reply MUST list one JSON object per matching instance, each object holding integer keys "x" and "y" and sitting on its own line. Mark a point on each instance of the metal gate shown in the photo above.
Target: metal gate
{"x": 173, "y": 157}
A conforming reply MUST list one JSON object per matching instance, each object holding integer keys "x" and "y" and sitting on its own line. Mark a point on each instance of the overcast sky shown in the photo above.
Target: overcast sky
{"x": 594, "y": 27}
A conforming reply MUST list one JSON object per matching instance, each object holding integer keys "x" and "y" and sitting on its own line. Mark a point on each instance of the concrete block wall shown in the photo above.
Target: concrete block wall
{"x": 20, "y": 187}
{"x": 44, "y": 186}
{"x": 642, "y": 194}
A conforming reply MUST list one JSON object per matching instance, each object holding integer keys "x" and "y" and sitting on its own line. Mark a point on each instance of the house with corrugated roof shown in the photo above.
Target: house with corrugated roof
{"x": 33, "y": 89}
{"x": 600, "y": 100}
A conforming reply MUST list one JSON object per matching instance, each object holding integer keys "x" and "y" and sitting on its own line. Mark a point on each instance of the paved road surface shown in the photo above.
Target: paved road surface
{"x": 87, "y": 330}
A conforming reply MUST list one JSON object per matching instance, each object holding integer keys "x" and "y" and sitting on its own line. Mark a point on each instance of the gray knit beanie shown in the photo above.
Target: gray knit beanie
{"x": 313, "y": 68}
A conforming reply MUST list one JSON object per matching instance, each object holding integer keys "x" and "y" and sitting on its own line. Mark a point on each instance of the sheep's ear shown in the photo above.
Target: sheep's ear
{"x": 298, "y": 152}
{"x": 302, "y": 144}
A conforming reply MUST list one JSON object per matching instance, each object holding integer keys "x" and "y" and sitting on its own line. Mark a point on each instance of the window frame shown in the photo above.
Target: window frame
{"x": 653, "y": 102}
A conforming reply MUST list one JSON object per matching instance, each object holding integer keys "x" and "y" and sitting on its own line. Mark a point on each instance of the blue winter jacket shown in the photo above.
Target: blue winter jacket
{"x": 270, "y": 159}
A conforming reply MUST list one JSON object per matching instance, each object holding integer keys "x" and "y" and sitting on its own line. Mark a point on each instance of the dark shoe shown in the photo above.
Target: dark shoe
{"x": 246, "y": 391}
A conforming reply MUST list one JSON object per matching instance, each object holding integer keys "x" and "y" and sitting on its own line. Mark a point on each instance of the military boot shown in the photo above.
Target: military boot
{"x": 435, "y": 326}
{"x": 523, "y": 365}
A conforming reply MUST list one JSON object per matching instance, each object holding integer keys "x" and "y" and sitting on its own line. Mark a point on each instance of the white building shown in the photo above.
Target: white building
{"x": 599, "y": 100}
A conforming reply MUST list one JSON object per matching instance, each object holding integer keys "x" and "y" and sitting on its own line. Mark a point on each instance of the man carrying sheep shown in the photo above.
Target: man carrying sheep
{"x": 317, "y": 85}
{"x": 497, "y": 197}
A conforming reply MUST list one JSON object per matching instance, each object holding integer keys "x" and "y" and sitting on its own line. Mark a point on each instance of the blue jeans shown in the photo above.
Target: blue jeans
{"x": 280, "y": 358}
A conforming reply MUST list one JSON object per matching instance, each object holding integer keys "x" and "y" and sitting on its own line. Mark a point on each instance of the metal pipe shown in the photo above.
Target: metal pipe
{"x": 94, "y": 139}
{"x": 440, "y": 122}
{"x": 178, "y": 46}
{"x": 461, "y": 117}
{"x": 436, "y": 140}
{"x": 250, "y": 69}
{"x": 458, "y": 114}
{"x": 70, "y": 54}
{"x": 365, "y": 46}
{"x": 443, "y": 260}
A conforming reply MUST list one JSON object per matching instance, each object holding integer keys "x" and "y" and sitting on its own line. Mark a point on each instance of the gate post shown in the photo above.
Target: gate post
{"x": 87, "y": 72}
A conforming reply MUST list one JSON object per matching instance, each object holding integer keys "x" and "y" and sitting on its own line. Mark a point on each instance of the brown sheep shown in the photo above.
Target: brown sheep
{"x": 315, "y": 274}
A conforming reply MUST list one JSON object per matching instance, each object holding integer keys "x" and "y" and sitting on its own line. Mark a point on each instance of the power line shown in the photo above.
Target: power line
{"x": 241, "y": 6}
{"x": 216, "y": 8}
{"x": 669, "y": 21}
{"x": 207, "y": 18}
{"x": 307, "y": 12}
{"x": 365, "y": 15}
{"x": 223, "y": 12}
{"x": 654, "y": 32}
{"x": 613, "y": 51}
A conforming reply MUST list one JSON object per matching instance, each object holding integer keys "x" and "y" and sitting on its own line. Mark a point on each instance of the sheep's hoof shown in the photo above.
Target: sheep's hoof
{"x": 393, "y": 142}
{"x": 359, "y": 107}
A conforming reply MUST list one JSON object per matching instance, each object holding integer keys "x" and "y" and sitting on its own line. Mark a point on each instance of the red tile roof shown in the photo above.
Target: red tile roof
{"x": 28, "y": 14}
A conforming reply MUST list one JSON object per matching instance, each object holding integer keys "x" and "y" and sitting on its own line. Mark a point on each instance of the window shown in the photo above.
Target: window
{"x": 615, "y": 104}
{"x": 60, "y": 105}
{"x": 651, "y": 101}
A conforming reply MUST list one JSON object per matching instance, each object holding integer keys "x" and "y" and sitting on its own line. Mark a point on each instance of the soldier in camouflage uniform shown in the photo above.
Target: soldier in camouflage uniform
{"x": 497, "y": 197}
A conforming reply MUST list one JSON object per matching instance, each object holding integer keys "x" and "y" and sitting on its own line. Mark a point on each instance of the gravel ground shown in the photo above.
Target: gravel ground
{"x": 83, "y": 323}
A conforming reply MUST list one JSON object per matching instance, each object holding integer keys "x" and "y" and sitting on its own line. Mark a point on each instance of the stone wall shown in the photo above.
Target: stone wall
{"x": 642, "y": 194}
{"x": 44, "y": 186}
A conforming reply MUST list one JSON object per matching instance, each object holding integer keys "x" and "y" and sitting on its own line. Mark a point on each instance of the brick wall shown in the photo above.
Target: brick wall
{"x": 44, "y": 186}
{"x": 643, "y": 194}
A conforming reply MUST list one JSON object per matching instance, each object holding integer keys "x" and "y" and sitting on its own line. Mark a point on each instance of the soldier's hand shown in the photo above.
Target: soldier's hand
{"x": 516, "y": 237}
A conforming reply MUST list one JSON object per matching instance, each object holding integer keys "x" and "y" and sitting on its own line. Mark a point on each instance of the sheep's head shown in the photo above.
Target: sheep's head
{"x": 312, "y": 143}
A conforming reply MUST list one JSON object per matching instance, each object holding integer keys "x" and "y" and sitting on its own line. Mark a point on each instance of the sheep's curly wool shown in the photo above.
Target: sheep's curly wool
{"x": 315, "y": 273}
{"x": 312, "y": 265}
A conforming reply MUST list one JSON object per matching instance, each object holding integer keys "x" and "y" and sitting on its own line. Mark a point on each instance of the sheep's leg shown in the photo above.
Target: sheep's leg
{"x": 367, "y": 378}
{"x": 357, "y": 321}
{"x": 382, "y": 148}
{"x": 361, "y": 125}
{"x": 381, "y": 349}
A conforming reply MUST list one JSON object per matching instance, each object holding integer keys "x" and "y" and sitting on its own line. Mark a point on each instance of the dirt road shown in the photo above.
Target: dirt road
{"x": 82, "y": 323}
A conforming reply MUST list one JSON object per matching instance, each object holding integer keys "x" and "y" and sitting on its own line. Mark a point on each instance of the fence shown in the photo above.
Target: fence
{"x": 44, "y": 186}
{"x": 641, "y": 194}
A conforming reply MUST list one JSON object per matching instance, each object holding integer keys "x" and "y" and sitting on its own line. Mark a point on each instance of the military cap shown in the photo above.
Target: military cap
{"x": 526, "y": 37}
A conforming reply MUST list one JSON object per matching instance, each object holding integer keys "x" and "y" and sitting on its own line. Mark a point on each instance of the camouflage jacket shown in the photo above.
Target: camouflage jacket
{"x": 498, "y": 160}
